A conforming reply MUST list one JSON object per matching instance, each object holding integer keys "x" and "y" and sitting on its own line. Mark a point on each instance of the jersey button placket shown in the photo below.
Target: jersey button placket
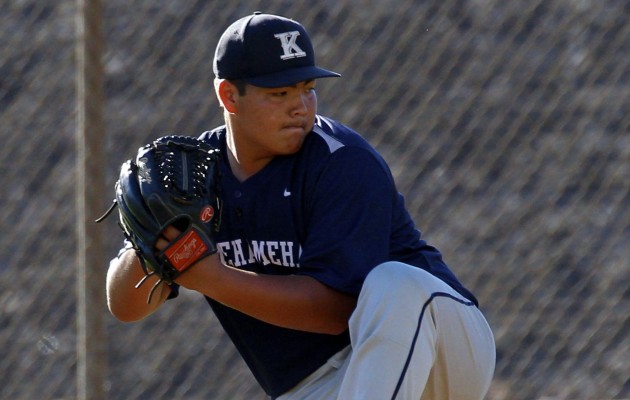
{"x": 238, "y": 196}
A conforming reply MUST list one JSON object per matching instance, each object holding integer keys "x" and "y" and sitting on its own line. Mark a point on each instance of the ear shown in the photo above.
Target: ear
{"x": 227, "y": 95}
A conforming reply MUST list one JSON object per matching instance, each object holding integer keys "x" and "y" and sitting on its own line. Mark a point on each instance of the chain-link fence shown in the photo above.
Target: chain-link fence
{"x": 506, "y": 124}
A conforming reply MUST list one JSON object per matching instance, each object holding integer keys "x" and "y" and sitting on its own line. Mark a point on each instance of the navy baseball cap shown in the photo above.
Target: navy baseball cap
{"x": 268, "y": 51}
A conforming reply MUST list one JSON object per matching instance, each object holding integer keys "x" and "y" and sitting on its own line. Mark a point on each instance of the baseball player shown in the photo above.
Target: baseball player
{"x": 321, "y": 279}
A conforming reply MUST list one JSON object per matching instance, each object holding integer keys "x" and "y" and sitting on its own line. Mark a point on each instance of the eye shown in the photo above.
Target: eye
{"x": 309, "y": 86}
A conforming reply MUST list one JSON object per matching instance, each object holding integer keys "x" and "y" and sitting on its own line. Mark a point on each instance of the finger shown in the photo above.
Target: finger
{"x": 170, "y": 233}
{"x": 161, "y": 244}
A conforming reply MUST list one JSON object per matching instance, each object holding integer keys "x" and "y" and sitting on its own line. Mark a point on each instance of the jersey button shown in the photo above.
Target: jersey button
{"x": 238, "y": 194}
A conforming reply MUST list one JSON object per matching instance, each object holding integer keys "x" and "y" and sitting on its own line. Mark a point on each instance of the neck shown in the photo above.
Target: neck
{"x": 240, "y": 172}
{"x": 242, "y": 166}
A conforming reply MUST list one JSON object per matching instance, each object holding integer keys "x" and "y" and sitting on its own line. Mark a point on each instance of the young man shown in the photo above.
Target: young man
{"x": 322, "y": 280}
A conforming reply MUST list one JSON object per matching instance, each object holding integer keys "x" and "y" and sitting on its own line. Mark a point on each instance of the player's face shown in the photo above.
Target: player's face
{"x": 275, "y": 121}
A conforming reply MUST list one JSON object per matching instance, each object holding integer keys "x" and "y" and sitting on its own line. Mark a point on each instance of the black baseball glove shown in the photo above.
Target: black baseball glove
{"x": 172, "y": 181}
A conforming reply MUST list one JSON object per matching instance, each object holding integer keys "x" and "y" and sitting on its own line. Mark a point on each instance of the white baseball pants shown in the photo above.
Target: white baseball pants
{"x": 412, "y": 338}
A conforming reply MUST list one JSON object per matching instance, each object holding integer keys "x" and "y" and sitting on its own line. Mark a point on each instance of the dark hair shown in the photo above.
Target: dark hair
{"x": 240, "y": 84}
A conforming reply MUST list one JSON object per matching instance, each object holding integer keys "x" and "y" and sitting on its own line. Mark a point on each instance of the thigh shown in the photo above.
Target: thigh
{"x": 413, "y": 334}
{"x": 465, "y": 353}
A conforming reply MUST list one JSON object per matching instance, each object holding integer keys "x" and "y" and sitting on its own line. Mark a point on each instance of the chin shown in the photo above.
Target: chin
{"x": 294, "y": 145}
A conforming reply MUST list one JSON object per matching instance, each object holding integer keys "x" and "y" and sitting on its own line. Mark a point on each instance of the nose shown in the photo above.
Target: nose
{"x": 302, "y": 103}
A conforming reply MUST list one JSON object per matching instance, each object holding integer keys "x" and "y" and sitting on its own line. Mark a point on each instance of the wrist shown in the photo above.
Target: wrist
{"x": 202, "y": 275}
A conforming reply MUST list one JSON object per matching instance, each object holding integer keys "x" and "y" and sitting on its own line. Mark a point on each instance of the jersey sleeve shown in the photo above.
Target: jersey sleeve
{"x": 349, "y": 218}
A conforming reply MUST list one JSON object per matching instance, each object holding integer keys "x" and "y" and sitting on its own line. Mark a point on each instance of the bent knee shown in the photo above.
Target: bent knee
{"x": 401, "y": 278}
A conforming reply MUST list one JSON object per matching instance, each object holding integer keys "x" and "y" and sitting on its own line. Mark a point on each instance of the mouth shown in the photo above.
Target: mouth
{"x": 295, "y": 127}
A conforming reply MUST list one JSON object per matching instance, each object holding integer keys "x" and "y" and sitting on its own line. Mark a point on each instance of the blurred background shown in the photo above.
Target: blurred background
{"x": 506, "y": 125}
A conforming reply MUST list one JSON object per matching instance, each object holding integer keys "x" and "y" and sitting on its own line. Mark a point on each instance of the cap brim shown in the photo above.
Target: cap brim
{"x": 291, "y": 77}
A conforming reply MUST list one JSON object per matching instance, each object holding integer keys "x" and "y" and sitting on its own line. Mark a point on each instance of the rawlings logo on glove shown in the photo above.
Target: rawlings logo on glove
{"x": 185, "y": 251}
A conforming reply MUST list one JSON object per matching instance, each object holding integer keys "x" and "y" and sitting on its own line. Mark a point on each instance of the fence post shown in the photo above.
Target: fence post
{"x": 91, "y": 363}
